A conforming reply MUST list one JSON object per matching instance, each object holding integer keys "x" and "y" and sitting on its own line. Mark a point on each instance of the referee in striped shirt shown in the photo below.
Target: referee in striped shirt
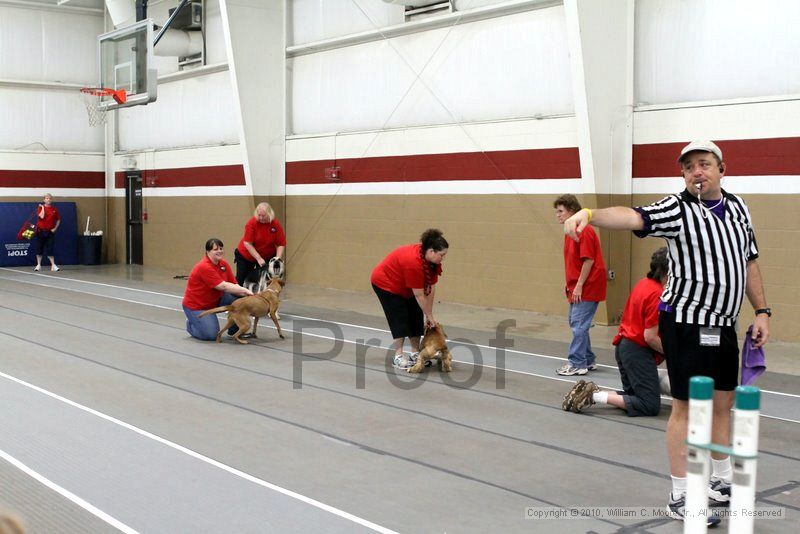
{"x": 712, "y": 265}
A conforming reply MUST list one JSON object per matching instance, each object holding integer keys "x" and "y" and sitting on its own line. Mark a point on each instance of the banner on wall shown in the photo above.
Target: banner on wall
{"x": 15, "y": 253}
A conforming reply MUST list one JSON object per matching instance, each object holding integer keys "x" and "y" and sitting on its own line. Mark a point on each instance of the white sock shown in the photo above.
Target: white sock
{"x": 601, "y": 397}
{"x": 722, "y": 469}
{"x": 678, "y": 486}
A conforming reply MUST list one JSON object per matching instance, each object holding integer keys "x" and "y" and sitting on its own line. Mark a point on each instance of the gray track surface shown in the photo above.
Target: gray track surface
{"x": 466, "y": 452}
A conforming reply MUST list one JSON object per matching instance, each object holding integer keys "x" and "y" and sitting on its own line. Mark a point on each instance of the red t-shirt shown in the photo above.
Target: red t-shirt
{"x": 265, "y": 238}
{"x": 594, "y": 288}
{"x": 51, "y": 216}
{"x": 641, "y": 312}
{"x": 205, "y": 276}
{"x": 401, "y": 271}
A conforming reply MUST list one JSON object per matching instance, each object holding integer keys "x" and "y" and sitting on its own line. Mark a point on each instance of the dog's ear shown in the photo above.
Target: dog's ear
{"x": 281, "y": 282}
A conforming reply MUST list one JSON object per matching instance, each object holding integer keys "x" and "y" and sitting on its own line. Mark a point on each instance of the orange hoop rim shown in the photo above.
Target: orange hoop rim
{"x": 97, "y": 91}
{"x": 120, "y": 95}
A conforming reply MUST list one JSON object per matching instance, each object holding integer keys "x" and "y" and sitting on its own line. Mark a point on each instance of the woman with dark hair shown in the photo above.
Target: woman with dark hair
{"x": 211, "y": 284}
{"x": 638, "y": 350}
{"x": 405, "y": 284}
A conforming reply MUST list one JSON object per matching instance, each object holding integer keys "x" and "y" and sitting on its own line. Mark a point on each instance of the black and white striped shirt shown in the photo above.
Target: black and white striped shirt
{"x": 708, "y": 256}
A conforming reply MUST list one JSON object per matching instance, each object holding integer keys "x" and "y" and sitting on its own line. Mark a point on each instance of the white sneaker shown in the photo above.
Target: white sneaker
{"x": 37, "y": 268}
{"x": 402, "y": 361}
{"x": 568, "y": 370}
{"x": 54, "y": 268}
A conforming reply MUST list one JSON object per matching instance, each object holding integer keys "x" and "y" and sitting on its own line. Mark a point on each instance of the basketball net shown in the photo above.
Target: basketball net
{"x": 93, "y": 96}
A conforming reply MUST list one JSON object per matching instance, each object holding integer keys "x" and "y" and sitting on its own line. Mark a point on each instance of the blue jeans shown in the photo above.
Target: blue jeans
{"x": 580, "y": 320}
{"x": 206, "y": 328}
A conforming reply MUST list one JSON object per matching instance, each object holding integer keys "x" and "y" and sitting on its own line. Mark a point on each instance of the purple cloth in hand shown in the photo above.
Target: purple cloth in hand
{"x": 754, "y": 361}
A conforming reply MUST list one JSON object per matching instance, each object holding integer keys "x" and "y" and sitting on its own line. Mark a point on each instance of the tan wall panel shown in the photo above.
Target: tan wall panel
{"x": 505, "y": 250}
{"x": 177, "y": 228}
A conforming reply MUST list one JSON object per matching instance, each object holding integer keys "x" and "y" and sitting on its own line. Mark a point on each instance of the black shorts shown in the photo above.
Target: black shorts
{"x": 687, "y": 358}
{"x": 404, "y": 315}
{"x": 45, "y": 242}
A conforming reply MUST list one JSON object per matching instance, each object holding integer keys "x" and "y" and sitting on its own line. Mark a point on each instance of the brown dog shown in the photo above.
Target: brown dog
{"x": 258, "y": 305}
{"x": 434, "y": 345}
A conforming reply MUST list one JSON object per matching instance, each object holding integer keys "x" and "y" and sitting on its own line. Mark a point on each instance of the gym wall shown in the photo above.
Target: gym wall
{"x": 473, "y": 127}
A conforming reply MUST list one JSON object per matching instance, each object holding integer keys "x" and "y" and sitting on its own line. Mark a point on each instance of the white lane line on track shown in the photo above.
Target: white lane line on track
{"x": 205, "y": 459}
{"x": 523, "y": 353}
{"x": 119, "y": 525}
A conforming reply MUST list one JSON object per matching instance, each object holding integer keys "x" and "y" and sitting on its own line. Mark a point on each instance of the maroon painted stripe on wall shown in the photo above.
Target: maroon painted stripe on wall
{"x": 778, "y": 156}
{"x": 53, "y": 179}
{"x": 497, "y": 165}
{"x": 216, "y": 175}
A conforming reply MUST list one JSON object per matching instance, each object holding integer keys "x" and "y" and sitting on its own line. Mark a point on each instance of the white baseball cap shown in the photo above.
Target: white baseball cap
{"x": 705, "y": 146}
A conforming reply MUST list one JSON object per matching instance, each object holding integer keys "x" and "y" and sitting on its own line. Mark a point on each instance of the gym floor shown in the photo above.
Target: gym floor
{"x": 114, "y": 419}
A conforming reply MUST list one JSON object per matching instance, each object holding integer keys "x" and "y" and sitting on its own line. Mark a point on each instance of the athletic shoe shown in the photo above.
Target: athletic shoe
{"x": 676, "y": 509}
{"x": 568, "y": 370}
{"x": 37, "y": 268}
{"x": 54, "y": 268}
{"x": 569, "y": 398}
{"x": 719, "y": 492}
{"x": 592, "y": 367}
{"x": 584, "y": 398}
{"x": 402, "y": 361}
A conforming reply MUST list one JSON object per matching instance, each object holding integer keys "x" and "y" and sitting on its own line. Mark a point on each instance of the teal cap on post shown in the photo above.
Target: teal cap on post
{"x": 748, "y": 398}
{"x": 701, "y": 388}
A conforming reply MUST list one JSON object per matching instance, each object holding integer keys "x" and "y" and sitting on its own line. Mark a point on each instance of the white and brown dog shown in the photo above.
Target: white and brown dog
{"x": 432, "y": 346}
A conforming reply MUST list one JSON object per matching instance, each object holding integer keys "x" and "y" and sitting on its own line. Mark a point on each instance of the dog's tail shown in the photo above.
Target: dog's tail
{"x": 215, "y": 310}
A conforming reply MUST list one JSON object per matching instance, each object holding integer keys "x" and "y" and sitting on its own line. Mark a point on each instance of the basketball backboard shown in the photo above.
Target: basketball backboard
{"x": 126, "y": 62}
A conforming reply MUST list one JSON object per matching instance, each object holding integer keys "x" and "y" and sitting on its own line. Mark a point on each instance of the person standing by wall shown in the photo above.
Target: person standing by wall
{"x": 712, "y": 257}
{"x": 263, "y": 240}
{"x": 47, "y": 223}
{"x": 638, "y": 350}
{"x": 585, "y": 288}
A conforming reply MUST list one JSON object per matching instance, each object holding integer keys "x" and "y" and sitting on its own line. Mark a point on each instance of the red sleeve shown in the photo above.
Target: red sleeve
{"x": 280, "y": 236}
{"x": 250, "y": 231}
{"x": 57, "y": 215}
{"x": 589, "y": 244}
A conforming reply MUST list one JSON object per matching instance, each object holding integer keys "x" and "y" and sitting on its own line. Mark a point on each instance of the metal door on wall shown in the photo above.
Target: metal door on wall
{"x": 133, "y": 216}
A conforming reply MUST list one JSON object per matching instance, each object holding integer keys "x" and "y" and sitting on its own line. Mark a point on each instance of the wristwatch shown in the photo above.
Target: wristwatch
{"x": 768, "y": 311}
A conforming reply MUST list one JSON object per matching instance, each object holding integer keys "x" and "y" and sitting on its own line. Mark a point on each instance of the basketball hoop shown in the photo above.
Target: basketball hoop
{"x": 92, "y": 96}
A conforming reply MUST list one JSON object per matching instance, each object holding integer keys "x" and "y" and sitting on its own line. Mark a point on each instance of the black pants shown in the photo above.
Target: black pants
{"x": 639, "y": 375}
{"x": 45, "y": 243}
{"x": 404, "y": 315}
{"x": 244, "y": 267}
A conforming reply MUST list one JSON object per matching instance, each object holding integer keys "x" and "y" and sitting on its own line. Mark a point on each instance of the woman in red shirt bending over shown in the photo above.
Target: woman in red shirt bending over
{"x": 263, "y": 240}
{"x": 46, "y": 225}
{"x": 405, "y": 284}
{"x": 211, "y": 284}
